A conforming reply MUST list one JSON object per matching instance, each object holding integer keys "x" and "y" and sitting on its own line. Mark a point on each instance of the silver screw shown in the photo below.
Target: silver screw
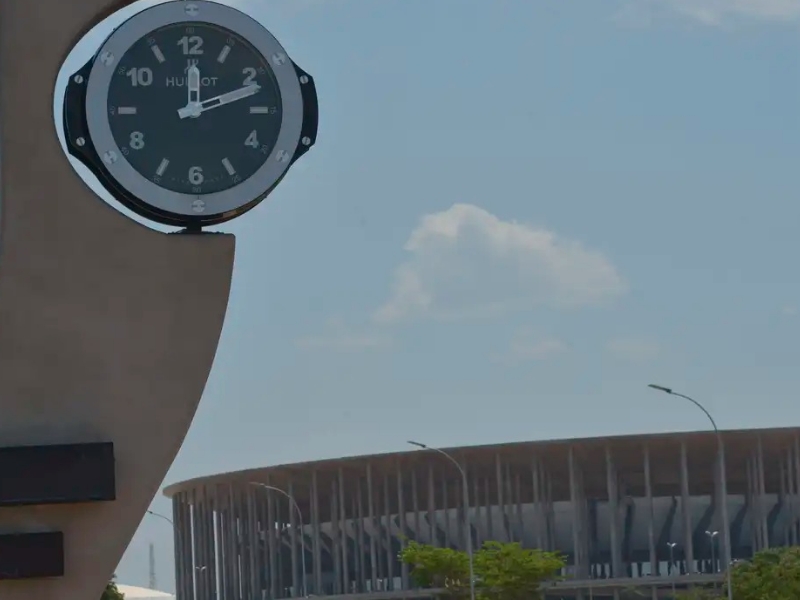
{"x": 198, "y": 206}
{"x": 282, "y": 156}
{"x": 303, "y": 79}
{"x": 107, "y": 58}
{"x": 192, "y": 10}
{"x": 80, "y": 141}
{"x": 279, "y": 59}
{"x": 78, "y": 79}
{"x": 110, "y": 157}
{"x": 306, "y": 141}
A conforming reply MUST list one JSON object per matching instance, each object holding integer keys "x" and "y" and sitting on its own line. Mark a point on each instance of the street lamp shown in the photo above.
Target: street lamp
{"x": 711, "y": 535}
{"x": 300, "y": 516}
{"x": 467, "y": 526}
{"x": 723, "y": 483}
{"x": 672, "y": 566}
{"x": 160, "y": 516}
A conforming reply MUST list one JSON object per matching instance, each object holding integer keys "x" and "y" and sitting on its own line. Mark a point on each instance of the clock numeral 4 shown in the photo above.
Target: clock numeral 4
{"x": 196, "y": 175}
{"x": 137, "y": 140}
{"x": 252, "y": 139}
{"x": 191, "y": 44}
{"x": 142, "y": 76}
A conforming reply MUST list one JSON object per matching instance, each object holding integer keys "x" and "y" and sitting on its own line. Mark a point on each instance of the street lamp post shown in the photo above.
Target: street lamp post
{"x": 672, "y": 566}
{"x": 300, "y": 516}
{"x": 723, "y": 483}
{"x": 711, "y": 539}
{"x": 160, "y": 516}
{"x": 467, "y": 525}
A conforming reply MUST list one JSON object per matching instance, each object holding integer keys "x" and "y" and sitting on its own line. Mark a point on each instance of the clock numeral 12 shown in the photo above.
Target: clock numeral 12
{"x": 191, "y": 44}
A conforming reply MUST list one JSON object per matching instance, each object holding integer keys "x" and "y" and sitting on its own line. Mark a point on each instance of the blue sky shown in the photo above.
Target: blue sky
{"x": 518, "y": 213}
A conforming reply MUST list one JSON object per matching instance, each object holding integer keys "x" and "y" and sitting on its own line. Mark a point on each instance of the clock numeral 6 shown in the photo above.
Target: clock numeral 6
{"x": 137, "y": 140}
{"x": 196, "y": 175}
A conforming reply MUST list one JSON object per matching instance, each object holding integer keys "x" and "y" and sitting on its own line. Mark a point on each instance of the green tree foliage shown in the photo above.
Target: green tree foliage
{"x": 112, "y": 592}
{"x": 433, "y": 567}
{"x": 699, "y": 594}
{"x": 772, "y": 574}
{"x": 510, "y": 572}
{"x": 502, "y": 571}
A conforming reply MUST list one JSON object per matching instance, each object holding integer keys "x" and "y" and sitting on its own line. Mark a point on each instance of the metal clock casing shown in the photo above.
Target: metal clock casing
{"x": 282, "y": 110}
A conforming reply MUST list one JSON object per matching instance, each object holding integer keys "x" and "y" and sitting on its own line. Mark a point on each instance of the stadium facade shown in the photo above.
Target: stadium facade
{"x": 626, "y": 511}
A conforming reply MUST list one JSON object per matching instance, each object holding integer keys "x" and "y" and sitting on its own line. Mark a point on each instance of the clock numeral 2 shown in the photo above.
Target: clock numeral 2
{"x": 249, "y": 76}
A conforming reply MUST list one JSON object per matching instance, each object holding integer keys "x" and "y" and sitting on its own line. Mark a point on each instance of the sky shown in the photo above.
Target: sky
{"x": 518, "y": 213}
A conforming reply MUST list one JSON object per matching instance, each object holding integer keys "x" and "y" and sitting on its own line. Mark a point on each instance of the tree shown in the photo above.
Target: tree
{"x": 511, "y": 572}
{"x": 433, "y": 567}
{"x": 112, "y": 592}
{"x": 502, "y": 571}
{"x": 772, "y": 574}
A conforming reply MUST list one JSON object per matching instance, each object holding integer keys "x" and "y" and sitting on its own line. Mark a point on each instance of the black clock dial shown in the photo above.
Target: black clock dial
{"x": 189, "y": 138}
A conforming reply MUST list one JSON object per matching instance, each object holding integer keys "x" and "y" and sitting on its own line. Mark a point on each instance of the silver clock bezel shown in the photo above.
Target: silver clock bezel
{"x": 193, "y": 11}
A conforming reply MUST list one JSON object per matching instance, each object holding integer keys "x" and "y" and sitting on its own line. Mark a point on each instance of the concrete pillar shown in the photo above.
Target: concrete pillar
{"x": 401, "y": 509}
{"x": 762, "y": 494}
{"x": 686, "y": 511}
{"x": 538, "y": 512}
{"x": 613, "y": 515}
{"x": 651, "y": 517}
{"x": 315, "y": 528}
{"x": 387, "y": 528}
{"x": 576, "y": 521}
{"x": 372, "y": 530}
{"x": 343, "y": 553}
{"x": 94, "y": 308}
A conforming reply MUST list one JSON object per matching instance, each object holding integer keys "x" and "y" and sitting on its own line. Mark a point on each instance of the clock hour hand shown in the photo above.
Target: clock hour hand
{"x": 194, "y": 110}
{"x": 193, "y": 85}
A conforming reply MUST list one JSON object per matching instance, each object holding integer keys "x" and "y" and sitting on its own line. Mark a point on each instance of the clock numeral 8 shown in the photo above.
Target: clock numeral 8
{"x": 196, "y": 175}
{"x": 137, "y": 140}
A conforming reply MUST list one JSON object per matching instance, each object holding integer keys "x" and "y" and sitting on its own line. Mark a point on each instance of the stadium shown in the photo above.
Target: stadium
{"x": 630, "y": 512}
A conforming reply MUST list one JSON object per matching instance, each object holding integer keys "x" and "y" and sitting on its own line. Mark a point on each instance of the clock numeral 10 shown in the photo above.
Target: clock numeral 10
{"x": 142, "y": 76}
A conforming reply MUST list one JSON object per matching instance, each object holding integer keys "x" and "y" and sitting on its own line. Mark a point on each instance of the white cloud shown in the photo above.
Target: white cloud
{"x": 789, "y": 310}
{"x": 633, "y": 349}
{"x": 522, "y": 349}
{"x": 466, "y": 262}
{"x": 337, "y": 336}
{"x": 711, "y": 12}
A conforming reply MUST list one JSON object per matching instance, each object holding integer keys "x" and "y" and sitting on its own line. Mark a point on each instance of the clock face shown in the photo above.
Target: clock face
{"x": 194, "y": 108}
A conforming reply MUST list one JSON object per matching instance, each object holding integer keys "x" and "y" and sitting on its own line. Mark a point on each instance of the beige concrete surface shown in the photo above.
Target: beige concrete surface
{"x": 107, "y": 329}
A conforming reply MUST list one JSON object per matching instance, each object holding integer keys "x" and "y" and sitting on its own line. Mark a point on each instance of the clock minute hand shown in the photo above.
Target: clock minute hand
{"x": 196, "y": 109}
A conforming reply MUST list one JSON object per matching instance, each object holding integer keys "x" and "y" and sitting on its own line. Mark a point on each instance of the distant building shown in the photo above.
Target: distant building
{"x": 625, "y": 511}
{"x": 137, "y": 593}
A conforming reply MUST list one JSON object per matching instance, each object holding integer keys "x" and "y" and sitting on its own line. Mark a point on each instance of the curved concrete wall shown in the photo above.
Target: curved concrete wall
{"x": 107, "y": 328}
{"x": 611, "y": 505}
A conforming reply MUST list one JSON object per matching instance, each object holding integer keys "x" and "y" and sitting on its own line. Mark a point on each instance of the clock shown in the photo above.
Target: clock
{"x": 190, "y": 113}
